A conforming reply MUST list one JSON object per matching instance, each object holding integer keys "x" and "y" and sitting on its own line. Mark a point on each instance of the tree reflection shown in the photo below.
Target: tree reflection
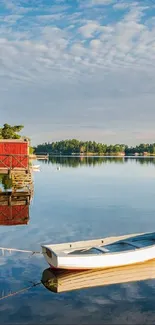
{"x": 80, "y": 161}
{"x": 6, "y": 182}
{"x": 76, "y": 161}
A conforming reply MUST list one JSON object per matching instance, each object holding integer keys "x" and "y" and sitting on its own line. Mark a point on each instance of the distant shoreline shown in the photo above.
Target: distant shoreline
{"x": 74, "y": 147}
{"x": 42, "y": 156}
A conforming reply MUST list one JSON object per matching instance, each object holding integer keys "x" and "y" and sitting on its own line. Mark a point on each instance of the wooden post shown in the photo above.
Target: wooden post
{"x": 9, "y": 173}
{"x": 28, "y": 200}
{"x": 9, "y": 200}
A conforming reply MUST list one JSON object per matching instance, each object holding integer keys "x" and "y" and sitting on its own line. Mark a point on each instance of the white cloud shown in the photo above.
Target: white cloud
{"x": 49, "y": 18}
{"x": 102, "y": 2}
{"x": 95, "y": 44}
{"x": 124, "y": 5}
{"x": 67, "y": 66}
{"x": 92, "y": 3}
{"x": 10, "y": 19}
{"x": 89, "y": 29}
{"x": 15, "y": 7}
{"x": 78, "y": 49}
{"x": 120, "y": 6}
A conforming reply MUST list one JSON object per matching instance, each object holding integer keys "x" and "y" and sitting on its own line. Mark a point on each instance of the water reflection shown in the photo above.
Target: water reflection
{"x": 15, "y": 197}
{"x": 78, "y": 204}
{"x": 63, "y": 280}
{"x": 92, "y": 161}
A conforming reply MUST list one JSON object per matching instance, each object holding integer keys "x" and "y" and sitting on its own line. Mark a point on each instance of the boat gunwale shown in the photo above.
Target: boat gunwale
{"x": 60, "y": 253}
{"x": 102, "y": 254}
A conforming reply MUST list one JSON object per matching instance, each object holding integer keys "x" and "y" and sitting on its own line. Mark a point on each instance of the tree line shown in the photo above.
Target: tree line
{"x": 75, "y": 147}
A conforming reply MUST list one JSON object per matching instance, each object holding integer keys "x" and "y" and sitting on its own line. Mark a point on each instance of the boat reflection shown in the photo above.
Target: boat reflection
{"x": 63, "y": 280}
{"x": 15, "y": 198}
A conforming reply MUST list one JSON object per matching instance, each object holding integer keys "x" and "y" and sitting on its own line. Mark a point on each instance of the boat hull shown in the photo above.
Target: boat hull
{"x": 101, "y": 253}
{"x": 102, "y": 261}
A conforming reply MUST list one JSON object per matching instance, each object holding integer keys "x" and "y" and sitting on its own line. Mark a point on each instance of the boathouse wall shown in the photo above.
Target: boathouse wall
{"x": 14, "y": 154}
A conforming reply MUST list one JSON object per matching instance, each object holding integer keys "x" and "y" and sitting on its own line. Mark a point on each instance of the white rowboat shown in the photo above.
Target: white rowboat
{"x": 101, "y": 253}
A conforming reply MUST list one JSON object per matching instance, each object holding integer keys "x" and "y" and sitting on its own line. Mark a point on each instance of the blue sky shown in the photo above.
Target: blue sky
{"x": 82, "y": 69}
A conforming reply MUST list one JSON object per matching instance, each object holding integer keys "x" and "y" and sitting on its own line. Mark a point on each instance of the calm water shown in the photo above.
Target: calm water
{"x": 85, "y": 199}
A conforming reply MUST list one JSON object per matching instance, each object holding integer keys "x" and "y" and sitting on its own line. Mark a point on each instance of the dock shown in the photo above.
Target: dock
{"x": 22, "y": 188}
{"x": 20, "y": 179}
{"x": 6, "y": 198}
{"x": 39, "y": 157}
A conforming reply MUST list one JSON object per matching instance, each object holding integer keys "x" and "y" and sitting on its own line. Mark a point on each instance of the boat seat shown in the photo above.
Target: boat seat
{"x": 130, "y": 243}
{"x": 102, "y": 249}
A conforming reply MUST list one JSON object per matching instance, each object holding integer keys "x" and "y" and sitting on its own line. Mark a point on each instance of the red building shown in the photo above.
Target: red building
{"x": 14, "y": 154}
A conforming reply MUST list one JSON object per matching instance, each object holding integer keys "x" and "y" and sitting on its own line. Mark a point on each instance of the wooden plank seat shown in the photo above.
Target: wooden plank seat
{"x": 102, "y": 249}
{"x": 131, "y": 244}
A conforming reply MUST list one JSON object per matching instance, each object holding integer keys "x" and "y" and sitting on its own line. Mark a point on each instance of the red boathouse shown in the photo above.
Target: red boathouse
{"x": 14, "y": 155}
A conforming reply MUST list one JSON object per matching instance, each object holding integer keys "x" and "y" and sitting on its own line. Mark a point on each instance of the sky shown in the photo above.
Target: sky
{"x": 79, "y": 69}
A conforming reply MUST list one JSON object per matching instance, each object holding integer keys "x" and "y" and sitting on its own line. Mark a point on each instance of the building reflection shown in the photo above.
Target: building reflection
{"x": 15, "y": 198}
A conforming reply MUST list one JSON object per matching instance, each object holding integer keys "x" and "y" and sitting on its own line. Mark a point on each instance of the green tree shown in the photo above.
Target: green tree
{"x": 10, "y": 132}
{"x": 31, "y": 150}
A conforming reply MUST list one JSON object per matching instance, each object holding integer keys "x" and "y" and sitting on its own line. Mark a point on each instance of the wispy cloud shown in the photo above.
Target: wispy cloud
{"x": 66, "y": 63}
{"x": 93, "y": 3}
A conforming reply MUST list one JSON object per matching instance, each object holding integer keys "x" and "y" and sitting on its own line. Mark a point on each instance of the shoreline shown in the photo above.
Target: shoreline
{"x": 92, "y": 156}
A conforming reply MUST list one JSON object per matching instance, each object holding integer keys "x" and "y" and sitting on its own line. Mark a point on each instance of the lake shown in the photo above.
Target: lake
{"x": 78, "y": 199}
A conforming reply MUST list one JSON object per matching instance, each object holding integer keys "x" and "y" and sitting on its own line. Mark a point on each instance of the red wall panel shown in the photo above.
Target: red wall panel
{"x": 20, "y": 152}
{"x": 14, "y": 215}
